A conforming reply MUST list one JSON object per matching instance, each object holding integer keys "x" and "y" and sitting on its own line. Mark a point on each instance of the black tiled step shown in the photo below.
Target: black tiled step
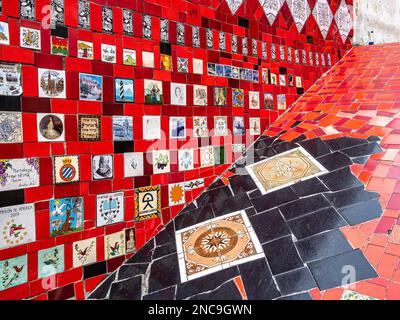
{"x": 213, "y": 195}
{"x": 340, "y": 179}
{"x": 164, "y": 273}
{"x": 334, "y": 161}
{"x": 295, "y": 281}
{"x": 242, "y": 183}
{"x": 228, "y": 291}
{"x": 340, "y": 199}
{"x": 303, "y": 206}
{"x": 190, "y": 218}
{"x": 333, "y": 271}
{"x": 165, "y": 294}
{"x": 315, "y": 147}
{"x": 274, "y": 199}
{"x": 164, "y": 250}
{"x": 131, "y": 270}
{"x": 309, "y": 187}
{"x": 282, "y": 255}
{"x": 94, "y": 269}
{"x": 269, "y": 225}
{"x": 361, "y": 212}
{"x": 166, "y": 235}
{"x": 129, "y": 289}
{"x": 101, "y": 291}
{"x": 323, "y": 245}
{"x": 238, "y": 202}
{"x": 316, "y": 222}
{"x": 298, "y": 296}
{"x": 344, "y": 142}
{"x": 362, "y": 150}
{"x": 144, "y": 253}
{"x": 284, "y": 146}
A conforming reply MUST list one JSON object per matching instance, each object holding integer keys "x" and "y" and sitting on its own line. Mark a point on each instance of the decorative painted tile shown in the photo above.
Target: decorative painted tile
{"x": 209, "y": 38}
{"x": 216, "y": 244}
{"x": 107, "y": 19}
{"x": 133, "y": 164}
{"x": 146, "y": 26}
{"x": 130, "y": 240}
{"x": 127, "y": 20}
{"x": 200, "y": 127}
{"x": 27, "y": 9}
{"x": 153, "y": 92}
{"x": 234, "y": 43}
{"x": 177, "y": 128}
{"x": 151, "y": 127}
{"x": 30, "y": 38}
{"x": 17, "y": 225}
{"x": 245, "y": 50}
{"x": 211, "y": 69}
{"x": 176, "y": 193}
{"x": 219, "y": 70}
{"x": 238, "y": 126}
{"x": 108, "y": 53}
{"x": 84, "y": 252}
{"x": 297, "y": 56}
{"x": 271, "y": 9}
{"x": 102, "y": 167}
{"x": 281, "y": 98}
{"x": 227, "y": 72}
{"x": 222, "y": 41}
{"x": 206, "y": 156}
{"x": 13, "y": 272}
{"x": 90, "y": 87}
{"x": 52, "y": 83}
{"x": 291, "y": 80}
{"x": 273, "y": 52}
{"x": 66, "y": 215}
{"x": 256, "y": 76}
{"x": 234, "y": 5}
{"x": 285, "y": 169}
{"x": 290, "y": 55}
{"x": 268, "y": 101}
{"x": 199, "y": 95}
{"x": 164, "y": 30}
{"x": 57, "y": 12}
{"x": 10, "y": 127}
{"x": 66, "y": 169}
{"x": 85, "y": 50}
{"x": 282, "y": 53}
{"x": 238, "y": 98}
{"x": 166, "y": 62}
{"x": 50, "y": 261}
{"x": 122, "y": 128}
{"x": 59, "y": 46}
{"x": 148, "y": 59}
{"x": 310, "y": 57}
{"x": 129, "y": 57}
{"x": 19, "y": 173}
{"x": 274, "y": 79}
{"x": 265, "y": 75}
{"x": 220, "y": 126}
{"x": 300, "y": 10}
{"x": 114, "y": 245}
{"x": 50, "y": 127}
{"x": 282, "y": 80}
{"x": 84, "y": 14}
{"x": 124, "y": 90}
{"x": 12, "y": 73}
{"x": 197, "y": 66}
{"x": 178, "y": 94}
{"x": 323, "y": 16}
{"x": 180, "y": 33}
{"x": 110, "y": 208}
{"x": 183, "y": 65}
{"x": 238, "y": 147}
{"x": 395, "y": 234}
{"x": 147, "y": 203}
{"x": 343, "y": 21}
{"x": 194, "y": 184}
{"x": 219, "y": 96}
{"x": 196, "y": 36}
{"x": 89, "y": 127}
{"x": 161, "y": 161}
{"x": 254, "y": 100}
{"x": 264, "y": 50}
{"x": 304, "y": 56}
{"x": 352, "y": 295}
{"x": 186, "y": 159}
{"x": 255, "y": 126}
{"x": 254, "y": 47}
{"x": 329, "y": 59}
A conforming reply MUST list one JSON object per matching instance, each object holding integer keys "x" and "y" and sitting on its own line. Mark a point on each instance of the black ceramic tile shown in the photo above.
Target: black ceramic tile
{"x": 12, "y": 198}
{"x": 101, "y": 291}
{"x": 315, "y": 147}
{"x": 250, "y": 212}
{"x": 330, "y": 272}
{"x": 164, "y": 250}
{"x": 216, "y": 184}
{"x": 284, "y": 146}
{"x": 265, "y": 153}
{"x": 282, "y": 255}
{"x": 323, "y": 245}
{"x": 340, "y": 199}
{"x": 344, "y": 142}
{"x": 123, "y": 146}
{"x": 361, "y": 212}
{"x": 190, "y": 218}
{"x": 129, "y": 289}
{"x": 316, "y": 222}
{"x": 196, "y": 286}
{"x": 261, "y": 287}
{"x": 255, "y": 194}
{"x": 362, "y": 150}
{"x": 166, "y": 235}
{"x": 309, "y": 187}
{"x": 63, "y": 293}
{"x": 269, "y": 225}
{"x": 299, "y": 138}
{"x": 131, "y": 270}
{"x": 144, "y": 253}
{"x": 299, "y": 296}
{"x": 165, "y": 294}
{"x": 242, "y": 183}
{"x": 214, "y": 195}
{"x": 10, "y": 103}
{"x": 189, "y": 207}
{"x": 373, "y": 138}
{"x": 303, "y": 206}
{"x": 334, "y": 161}
{"x": 164, "y": 273}
{"x": 94, "y": 269}
{"x": 295, "y": 281}
{"x": 340, "y": 179}
{"x": 360, "y": 160}
{"x": 238, "y": 202}
{"x": 228, "y": 291}
{"x": 274, "y": 199}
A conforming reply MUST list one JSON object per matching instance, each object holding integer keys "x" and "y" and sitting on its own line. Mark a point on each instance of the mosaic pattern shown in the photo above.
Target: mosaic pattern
{"x": 323, "y": 15}
{"x": 271, "y": 9}
{"x": 234, "y": 5}
{"x": 300, "y": 10}
{"x": 343, "y": 20}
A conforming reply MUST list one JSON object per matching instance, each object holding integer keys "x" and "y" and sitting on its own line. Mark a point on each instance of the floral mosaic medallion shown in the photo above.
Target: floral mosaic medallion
{"x": 284, "y": 169}
{"x": 216, "y": 244}
{"x": 13, "y": 272}
{"x": 352, "y": 295}
{"x": 147, "y": 203}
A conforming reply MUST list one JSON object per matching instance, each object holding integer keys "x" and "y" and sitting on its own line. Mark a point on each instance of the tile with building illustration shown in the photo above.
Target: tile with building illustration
{"x": 52, "y": 83}
{"x": 107, "y": 19}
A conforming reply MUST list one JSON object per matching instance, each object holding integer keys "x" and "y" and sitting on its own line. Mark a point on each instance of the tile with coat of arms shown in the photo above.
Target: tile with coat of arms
{"x": 66, "y": 169}
{"x": 110, "y": 208}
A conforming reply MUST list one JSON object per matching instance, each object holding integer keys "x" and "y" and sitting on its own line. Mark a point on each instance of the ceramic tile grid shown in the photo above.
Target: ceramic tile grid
{"x": 51, "y": 113}
{"x": 284, "y": 170}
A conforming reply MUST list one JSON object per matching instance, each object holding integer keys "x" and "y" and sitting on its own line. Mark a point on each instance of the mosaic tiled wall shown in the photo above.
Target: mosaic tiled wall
{"x": 114, "y": 114}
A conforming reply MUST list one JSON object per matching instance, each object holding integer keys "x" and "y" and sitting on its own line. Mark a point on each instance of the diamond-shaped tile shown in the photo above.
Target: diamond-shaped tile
{"x": 300, "y": 11}
{"x": 271, "y": 8}
{"x": 343, "y": 20}
{"x": 323, "y": 15}
{"x": 234, "y": 5}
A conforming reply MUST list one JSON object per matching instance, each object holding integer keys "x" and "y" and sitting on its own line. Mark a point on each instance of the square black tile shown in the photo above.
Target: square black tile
{"x": 315, "y": 147}
{"x": 193, "y": 217}
{"x": 309, "y": 187}
{"x": 274, "y": 199}
{"x": 303, "y": 206}
{"x": 361, "y": 212}
{"x": 334, "y": 161}
{"x": 295, "y": 281}
{"x": 340, "y": 199}
{"x": 235, "y": 203}
{"x": 340, "y": 179}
